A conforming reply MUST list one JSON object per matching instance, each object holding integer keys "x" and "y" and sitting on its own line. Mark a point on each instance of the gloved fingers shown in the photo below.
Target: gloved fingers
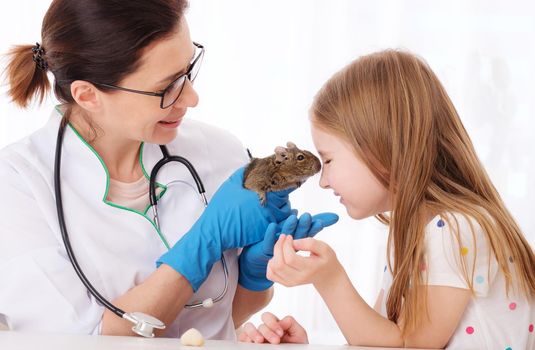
{"x": 294, "y": 212}
{"x": 303, "y": 226}
{"x": 317, "y": 226}
{"x": 319, "y": 222}
{"x": 289, "y": 225}
{"x": 270, "y": 238}
{"x": 328, "y": 219}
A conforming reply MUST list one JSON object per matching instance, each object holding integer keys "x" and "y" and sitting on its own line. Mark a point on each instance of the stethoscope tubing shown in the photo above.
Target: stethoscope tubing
{"x": 63, "y": 227}
{"x": 153, "y": 201}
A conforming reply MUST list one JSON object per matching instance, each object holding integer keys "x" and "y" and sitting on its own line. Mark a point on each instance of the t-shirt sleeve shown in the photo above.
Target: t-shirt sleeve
{"x": 457, "y": 254}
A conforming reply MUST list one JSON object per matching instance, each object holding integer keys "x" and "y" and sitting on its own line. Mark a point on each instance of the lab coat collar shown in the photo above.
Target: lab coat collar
{"x": 82, "y": 167}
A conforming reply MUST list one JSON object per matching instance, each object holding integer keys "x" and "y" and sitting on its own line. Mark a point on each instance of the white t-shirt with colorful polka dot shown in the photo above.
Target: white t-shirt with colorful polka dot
{"x": 492, "y": 320}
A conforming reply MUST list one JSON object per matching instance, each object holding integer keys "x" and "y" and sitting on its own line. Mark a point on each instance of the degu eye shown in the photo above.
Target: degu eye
{"x": 300, "y": 157}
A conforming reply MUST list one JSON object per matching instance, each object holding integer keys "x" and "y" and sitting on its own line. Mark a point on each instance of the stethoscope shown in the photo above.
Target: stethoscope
{"x": 143, "y": 324}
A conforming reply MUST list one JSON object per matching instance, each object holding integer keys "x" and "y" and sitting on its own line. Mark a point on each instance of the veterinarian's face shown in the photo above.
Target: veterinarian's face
{"x": 349, "y": 177}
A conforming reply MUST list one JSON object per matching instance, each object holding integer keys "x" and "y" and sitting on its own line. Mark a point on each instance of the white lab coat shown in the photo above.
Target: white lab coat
{"x": 116, "y": 247}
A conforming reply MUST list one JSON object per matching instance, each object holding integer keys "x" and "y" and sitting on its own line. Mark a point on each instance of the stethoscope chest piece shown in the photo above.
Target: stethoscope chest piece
{"x": 143, "y": 324}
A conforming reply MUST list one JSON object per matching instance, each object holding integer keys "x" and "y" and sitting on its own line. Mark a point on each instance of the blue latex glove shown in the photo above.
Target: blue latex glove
{"x": 234, "y": 218}
{"x": 254, "y": 258}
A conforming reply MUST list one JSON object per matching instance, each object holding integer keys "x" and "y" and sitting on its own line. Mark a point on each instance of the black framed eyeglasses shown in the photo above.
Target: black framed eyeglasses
{"x": 172, "y": 92}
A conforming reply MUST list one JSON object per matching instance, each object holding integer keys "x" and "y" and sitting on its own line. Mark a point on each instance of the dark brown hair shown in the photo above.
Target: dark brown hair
{"x": 93, "y": 40}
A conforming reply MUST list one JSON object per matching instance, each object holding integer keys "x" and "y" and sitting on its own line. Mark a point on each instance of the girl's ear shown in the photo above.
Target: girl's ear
{"x": 86, "y": 95}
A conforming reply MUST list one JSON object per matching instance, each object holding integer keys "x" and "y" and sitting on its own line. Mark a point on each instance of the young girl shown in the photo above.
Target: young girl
{"x": 459, "y": 272}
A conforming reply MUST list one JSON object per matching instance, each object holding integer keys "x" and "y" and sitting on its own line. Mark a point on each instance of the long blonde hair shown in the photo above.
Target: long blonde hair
{"x": 394, "y": 112}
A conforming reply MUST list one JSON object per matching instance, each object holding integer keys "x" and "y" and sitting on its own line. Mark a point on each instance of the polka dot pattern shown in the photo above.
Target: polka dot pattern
{"x": 464, "y": 251}
{"x": 441, "y": 223}
{"x": 480, "y": 279}
{"x": 508, "y": 348}
{"x": 512, "y": 306}
{"x": 423, "y": 266}
{"x": 530, "y": 328}
{"x": 470, "y": 330}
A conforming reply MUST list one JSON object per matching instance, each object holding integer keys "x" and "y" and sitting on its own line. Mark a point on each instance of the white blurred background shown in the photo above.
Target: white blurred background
{"x": 266, "y": 59}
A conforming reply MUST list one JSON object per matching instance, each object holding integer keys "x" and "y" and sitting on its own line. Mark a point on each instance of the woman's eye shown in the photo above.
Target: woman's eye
{"x": 327, "y": 161}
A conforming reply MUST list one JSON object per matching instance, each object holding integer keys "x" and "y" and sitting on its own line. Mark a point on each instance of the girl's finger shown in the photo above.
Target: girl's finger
{"x": 292, "y": 260}
{"x": 277, "y": 262}
{"x": 272, "y": 322}
{"x": 253, "y": 333}
{"x": 270, "y": 238}
{"x": 294, "y": 331}
{"x": 244, "y": 338}
{"x": 279, "y": 275}
{"x": 311, "y": 245}
{"x": 278, "y": 269}
{"x": 271, "y": 275}
{"x": 268, "y": 334}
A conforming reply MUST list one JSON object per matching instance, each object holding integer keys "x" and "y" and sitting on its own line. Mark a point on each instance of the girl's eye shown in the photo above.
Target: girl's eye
{"x": 327, "y": 161}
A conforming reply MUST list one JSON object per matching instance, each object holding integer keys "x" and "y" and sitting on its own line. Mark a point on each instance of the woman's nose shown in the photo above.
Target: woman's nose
{"x": 188, "y": 97}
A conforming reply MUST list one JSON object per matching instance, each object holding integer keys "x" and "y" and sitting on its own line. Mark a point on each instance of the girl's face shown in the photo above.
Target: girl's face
{"x": 138, "y": 117}
{"x": 349, "y": 177}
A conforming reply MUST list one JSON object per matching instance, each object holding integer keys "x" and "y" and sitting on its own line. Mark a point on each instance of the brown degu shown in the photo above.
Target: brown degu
{"x": 288, "y": 167}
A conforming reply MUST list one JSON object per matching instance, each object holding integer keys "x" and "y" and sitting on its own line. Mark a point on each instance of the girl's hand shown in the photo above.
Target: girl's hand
{"x": 290, "y": 269}
{"x": 274, "y": 331}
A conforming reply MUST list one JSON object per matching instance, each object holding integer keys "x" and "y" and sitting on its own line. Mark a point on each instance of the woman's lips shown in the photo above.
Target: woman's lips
{"x": 170, "y": 124}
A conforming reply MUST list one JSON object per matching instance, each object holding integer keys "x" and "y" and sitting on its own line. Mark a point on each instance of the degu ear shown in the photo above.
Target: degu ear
{"x": 280, "y": 154}
{"x": 86, "y": 95}
{"x": 290, "y": 144}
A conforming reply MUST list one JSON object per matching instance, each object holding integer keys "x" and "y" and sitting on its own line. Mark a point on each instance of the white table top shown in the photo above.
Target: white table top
{"x": 47, "y": 341}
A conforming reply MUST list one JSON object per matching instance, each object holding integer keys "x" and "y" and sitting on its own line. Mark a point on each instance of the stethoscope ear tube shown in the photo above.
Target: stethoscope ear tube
{"x": 167, "y": 158}
{"x": 63, "y": 226}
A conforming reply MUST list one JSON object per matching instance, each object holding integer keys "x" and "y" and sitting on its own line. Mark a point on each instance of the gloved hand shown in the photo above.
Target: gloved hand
{"x": 254, "y": 258}
{"x": 234, "y": 218}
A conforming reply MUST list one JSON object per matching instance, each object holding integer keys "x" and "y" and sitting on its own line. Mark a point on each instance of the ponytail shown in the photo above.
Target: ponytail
{"x": 72, "y": 33}
{"x": 27, "y": 76}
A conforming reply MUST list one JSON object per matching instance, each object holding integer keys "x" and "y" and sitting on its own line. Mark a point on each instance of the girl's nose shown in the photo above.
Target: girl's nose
{"x": 323, "y": 180}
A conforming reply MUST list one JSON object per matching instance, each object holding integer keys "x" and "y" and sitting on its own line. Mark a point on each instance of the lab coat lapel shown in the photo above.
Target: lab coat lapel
{"x": 180, "y": 204}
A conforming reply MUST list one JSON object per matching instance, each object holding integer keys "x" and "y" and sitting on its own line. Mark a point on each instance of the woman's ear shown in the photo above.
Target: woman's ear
{"x": 86, "y": 95}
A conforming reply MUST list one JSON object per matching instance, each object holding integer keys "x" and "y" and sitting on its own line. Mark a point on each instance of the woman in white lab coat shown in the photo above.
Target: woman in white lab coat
{"x": 107, "y": 58}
